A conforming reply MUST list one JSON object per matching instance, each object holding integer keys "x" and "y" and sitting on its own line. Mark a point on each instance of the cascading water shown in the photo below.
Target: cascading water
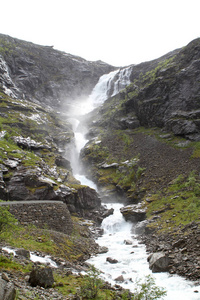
{"x": 97, "y": 97}
{"x": 132, "y": 259}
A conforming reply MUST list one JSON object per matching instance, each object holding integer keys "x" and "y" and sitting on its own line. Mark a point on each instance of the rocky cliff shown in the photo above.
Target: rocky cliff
{"x": 45, "y": 75}
{"x": 163, "y": 93}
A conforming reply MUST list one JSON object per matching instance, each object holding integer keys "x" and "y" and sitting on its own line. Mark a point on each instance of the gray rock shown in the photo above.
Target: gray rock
{"x": 102, "y": 250}
{"x": 158, "y": 262}
{"x": 7, "y": 290}
{"x": 120, "y": 279}
{"x": 133, "y": 213}
{"x": 11, "y": 163}
{"x": 108, "y": 212}
{"x": 128, "y": 242}
{"x": 23, "y": 252}
{"x": 107, "y": 166}
{"x": 140, "y": 227}
{"x": 42, "y": 276}
{"x": 28, "y": 143}
{"x": 63, "y": 162}
{"x": 112, "y": 260}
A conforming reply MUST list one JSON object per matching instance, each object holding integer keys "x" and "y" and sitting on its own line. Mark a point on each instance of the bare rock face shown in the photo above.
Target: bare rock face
{"x": 42, "y": 277}
{"x": 46, "y": 75}
{"x": 7, "y": 290}
{"x": 168, "y": 97}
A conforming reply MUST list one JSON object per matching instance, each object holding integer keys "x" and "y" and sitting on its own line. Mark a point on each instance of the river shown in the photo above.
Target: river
{"x": 132, "y": 259}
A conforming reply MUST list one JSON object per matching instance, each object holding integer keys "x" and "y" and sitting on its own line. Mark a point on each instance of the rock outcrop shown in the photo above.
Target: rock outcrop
{"x": 133, "y": 213}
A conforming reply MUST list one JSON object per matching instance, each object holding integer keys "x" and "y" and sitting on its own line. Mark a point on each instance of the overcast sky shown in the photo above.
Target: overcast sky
{"x": 118, "y": 32}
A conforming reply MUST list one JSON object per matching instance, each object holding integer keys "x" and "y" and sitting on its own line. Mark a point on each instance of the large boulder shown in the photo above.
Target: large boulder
{"x": 41, "y": 276}
{"x": 23, "y": 252}
{"x": 134, "y": 213}
{"x": 158, "y": 262}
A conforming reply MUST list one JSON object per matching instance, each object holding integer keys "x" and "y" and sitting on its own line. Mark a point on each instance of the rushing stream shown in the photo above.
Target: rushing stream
{"x": 132, "y": 259}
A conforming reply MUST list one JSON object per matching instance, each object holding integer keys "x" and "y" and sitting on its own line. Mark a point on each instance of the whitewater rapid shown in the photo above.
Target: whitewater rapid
{"x": 132, "y": 259}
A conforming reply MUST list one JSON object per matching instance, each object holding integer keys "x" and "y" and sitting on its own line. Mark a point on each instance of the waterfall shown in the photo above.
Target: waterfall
{"x": 107, "y": 84}
{"x": 132, "y": 259}
{"x": 122, "y": 80}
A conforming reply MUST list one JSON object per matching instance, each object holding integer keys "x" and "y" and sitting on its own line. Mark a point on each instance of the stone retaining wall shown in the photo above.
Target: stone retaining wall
{"x": 51, "y": 214}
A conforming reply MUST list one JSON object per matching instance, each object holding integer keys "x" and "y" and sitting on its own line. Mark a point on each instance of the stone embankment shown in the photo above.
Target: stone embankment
{"x": 51, "y": 214}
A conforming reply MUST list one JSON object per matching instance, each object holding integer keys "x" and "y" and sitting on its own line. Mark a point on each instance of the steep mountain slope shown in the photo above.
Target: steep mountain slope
{"x": 159, "y": 109}
{"x": 144, "y": 148}
{"x": 164, "y": 93}
{"x": 44, "y": 75}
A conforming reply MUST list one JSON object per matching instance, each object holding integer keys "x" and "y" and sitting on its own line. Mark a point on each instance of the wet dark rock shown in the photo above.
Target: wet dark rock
{"x": 158, "y": 262}
{"x": 112, "y": 260}
{"x": 41, "y": 276}
{"x": 108, "y": 212}
{"x": 63, "y": 162}
{"x": 133, "y": 213}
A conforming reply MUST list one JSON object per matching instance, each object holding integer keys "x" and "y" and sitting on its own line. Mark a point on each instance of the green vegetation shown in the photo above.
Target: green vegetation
{"x": 10, "y": 265}
{"x": 149, "y": 77}
{"x": 6, "y": 47}
{"x": 32, "y": 238}
{"x": 7, "y": 220}
{"x": 91, "y": 287}
{"x": 115, "y": 147}
{"x": 178, "y": 204}
{"x": 92, "y": 284}
{"x": 147, "y": 290}
{"x": 196, "y": 150}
